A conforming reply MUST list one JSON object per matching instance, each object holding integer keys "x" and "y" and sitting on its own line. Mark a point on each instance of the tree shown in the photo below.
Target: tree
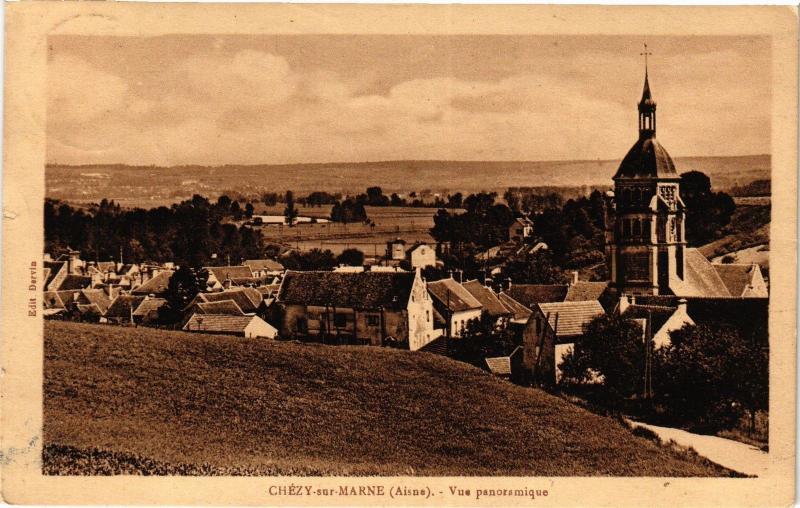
{"x": 315, "y": 259}
{"x": 533, "y": 268}
{"x": 224, "y": 202}
{"x": 351, "y": 257}
{"x": 236, "y": 210}
{"x": 707, "y": 212}
{"x": 248, "y": 210}
{"x": 709, "y": 375}
{"x": 290, "y": 212}
{"x": 612, "y": 347}
{"x": 183, "y": 286}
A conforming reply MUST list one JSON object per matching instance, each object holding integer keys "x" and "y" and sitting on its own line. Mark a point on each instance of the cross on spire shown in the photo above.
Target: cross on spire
{"x": 645, "y": 55}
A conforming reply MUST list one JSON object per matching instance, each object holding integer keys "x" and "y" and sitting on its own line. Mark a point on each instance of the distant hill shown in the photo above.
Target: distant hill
{"x": 143, "y": 185}
{"x": 143, "y": 400}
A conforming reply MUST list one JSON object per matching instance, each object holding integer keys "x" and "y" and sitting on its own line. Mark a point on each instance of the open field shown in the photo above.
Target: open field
{"x": 747, "y": 232}
{"x": 140, "y": 400}
{"x": 154, "y": 186}
{"x": 391, "y": 222}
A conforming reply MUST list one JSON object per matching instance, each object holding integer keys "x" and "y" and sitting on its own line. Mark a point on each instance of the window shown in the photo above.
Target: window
{"x": 373, "y": 320}
{"x": 339, "y": 320}
{"x": 428, "y": 316}
{"x": 637, "y": 228}
{"x": 302, "y": 325}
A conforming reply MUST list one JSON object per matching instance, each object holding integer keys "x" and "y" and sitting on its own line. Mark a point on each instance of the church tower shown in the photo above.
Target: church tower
{"x": 645, "y": 238}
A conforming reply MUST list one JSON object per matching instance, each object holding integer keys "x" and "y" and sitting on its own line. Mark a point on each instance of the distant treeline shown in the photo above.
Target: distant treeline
{"x": 189, "y": 232}
{"x": 754, "y": 188}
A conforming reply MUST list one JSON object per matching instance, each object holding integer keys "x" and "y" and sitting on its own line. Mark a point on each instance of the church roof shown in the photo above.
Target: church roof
{"x": 700, "y": 278}
{"x": 647, "y": 159}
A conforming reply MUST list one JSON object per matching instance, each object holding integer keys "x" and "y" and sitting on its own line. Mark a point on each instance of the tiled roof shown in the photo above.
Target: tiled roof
{"x": 736, "y": 277}
{"x": 269, "y": 265}
{"x": 453, "y": 295}
{"x": 659, "y": 314}
{"x": 52, "y": 300}
{"x": 97, "y": 297}
{"x": 531, "y": 294}
{"x": 570, "y": 318}
{"x": 148, "y": 306}
{"x": 75, "y": 282}
{"x": 222, "y": 307}
{"x": 155, "y": 286}
{"x": 221, "y": 323}
{"x": 52, "y": 267}
{"x": 232, "y": 272}
{"x": 121, "y": 306}
{"x": 700, "y": 278}
{"x": 583, "y": 291}
{"x": 499, "y": 366}
{"x": 488, "y": 298}
{"x": 364, "y": 290}
{"x": 89, "y": 308}
{"x": 518, "y": 310}
{"x": 242, "y": 296}
{"x": 69, "y": 296}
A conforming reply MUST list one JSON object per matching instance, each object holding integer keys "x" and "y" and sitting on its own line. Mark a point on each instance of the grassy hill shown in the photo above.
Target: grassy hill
{"x": 142, "y": 400}
{"x": 749, "y": 227}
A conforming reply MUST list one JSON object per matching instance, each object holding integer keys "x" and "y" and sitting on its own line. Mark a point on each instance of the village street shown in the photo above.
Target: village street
{"x": 734, "y": 455}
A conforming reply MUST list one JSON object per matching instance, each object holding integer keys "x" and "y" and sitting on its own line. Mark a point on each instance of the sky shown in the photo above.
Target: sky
{"x": 273, "y": 99}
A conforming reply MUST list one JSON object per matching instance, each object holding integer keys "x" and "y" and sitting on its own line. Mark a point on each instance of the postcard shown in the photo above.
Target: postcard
{"x": 399, "y": 255}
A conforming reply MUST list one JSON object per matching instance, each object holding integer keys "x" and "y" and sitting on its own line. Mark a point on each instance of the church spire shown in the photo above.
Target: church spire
{"x": 647, "y": 106}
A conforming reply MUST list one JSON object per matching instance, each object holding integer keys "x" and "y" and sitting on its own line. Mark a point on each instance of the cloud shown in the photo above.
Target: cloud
{"x": 252, "y": 106}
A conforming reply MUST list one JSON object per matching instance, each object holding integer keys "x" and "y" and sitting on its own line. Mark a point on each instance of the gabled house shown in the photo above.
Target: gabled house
{"x": 264, "y": 267}
{"x": 225, "y": 277}
{"x": 147, "y": 312}
{"x": 155, "y": 286}
{"x": 455, "y": 304}
{"x": 519, "y": 312}
{"x": 249, "y": 327}
{"x": 121, "y": 309}
{"x": 520, "y": 229}
{"x": 530, "y": 295}
{"x": 550, "y": 334}
{"x": 247, "y": 299}
{"x": 493, "y": 307}
{"x": 743, "y": 281}
{"x": 421, "y": 255}
{"x": 507, "y": 367}
{"x": 371, "y": 308}
{"x": 657, "y": 320}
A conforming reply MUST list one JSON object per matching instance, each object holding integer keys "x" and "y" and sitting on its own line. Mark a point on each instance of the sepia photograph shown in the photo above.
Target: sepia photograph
{"x": 334, "y": 254}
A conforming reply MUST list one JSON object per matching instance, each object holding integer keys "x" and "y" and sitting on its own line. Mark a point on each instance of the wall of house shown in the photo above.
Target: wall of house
{"x": 420, "y": 316}
{"x": 423, "y": 256}
{"x": 758, "y": 287}
{"x": 259, "y": 329}
{"x": 538, "y": 342}
{"x": 676, "y": 321}
{"x": 370, "y": 326}
{"x": 458, "y": 321}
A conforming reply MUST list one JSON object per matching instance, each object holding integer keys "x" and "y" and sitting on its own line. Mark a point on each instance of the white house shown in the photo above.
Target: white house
{"x": 421, "y": 255}
{"x": 455, "y": 304}
{"x": 250, "y": 327}
{"x": 661, "y": 320}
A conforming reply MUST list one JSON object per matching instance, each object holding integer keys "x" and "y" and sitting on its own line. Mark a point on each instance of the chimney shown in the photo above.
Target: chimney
{"x": 624, "y": 302}
{"x": 73, "y": 257}
{"x": 682, "y": 305}
{"x": 574, "y": 277}
{"x": 226, "y": 284}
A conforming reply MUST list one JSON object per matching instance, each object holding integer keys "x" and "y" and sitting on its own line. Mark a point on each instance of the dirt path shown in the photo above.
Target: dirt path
{"x": 734, "y": 455}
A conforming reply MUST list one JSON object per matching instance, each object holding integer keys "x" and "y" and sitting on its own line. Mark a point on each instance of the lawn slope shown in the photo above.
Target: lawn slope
{"x": 133, "y": 400}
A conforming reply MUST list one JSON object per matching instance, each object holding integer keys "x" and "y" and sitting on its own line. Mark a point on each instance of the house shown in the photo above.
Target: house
{"x": 455, "y": 304}
{"x": 491, "y": 303}
{"x": 520, "y": 229}
{"x": 742, "y": 280}
{"x": 264, "y": 267}
{"x": 371, "y": 308}
{"x": 396, "y": 250}
{"x": 247, "y": 299}
{"x": 421, "y": 255}
{"x": 224, "y": 277}
{"x": 156, "y": 286}
{"x": 519, "y": 312}
{"x": 550, "y": 334}
{"x": 249, "y": 327}
{"x": 656, "y": 320}
{"x": 147, "y": 312}
{"x": 508, "y": 367}
{"x": 121, "y": 309}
